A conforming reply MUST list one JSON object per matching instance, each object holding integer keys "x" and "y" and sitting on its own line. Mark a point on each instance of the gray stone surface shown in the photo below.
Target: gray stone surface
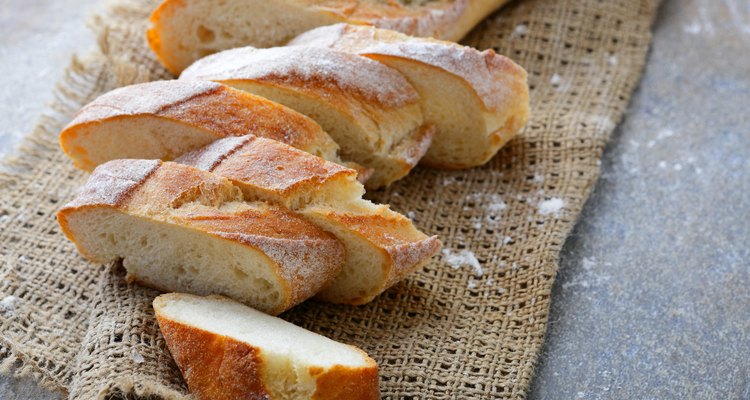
{"x": 37, "y": 39}
{"x": 652, "y": 298}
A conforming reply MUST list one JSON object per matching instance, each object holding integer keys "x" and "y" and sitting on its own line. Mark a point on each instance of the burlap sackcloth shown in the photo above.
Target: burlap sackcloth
{"x": 451, "y": 330}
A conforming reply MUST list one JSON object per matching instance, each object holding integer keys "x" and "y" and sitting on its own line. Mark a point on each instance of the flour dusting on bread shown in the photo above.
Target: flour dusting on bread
{"x": 351, "y": 73}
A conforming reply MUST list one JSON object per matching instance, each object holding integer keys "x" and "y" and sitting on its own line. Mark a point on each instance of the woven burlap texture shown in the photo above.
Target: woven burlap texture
{"x": 448, "y": 331}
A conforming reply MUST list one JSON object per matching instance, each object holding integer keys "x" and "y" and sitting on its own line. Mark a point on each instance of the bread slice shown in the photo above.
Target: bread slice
{"x": 183, "y": 31}
{"x": 477, "y": 100}
{"x": 382, "y": 246}
{"x": 228, "y": 351}
{"x": 165, "y": 119}
{"x": 370, "y": 110}
{"x": 177, "y": 228}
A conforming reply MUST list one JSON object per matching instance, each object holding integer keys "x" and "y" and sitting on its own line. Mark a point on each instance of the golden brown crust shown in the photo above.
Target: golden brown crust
{"x": 267, "y": 222}
{"x": 345, "y": 383}
{"x": 433, "y": 20}
{"x": 172, "y": 185}
{"x": 220, "y": 367}
{"x": 394, "y": 235}
{"x": 496, "y": 79}
{"x": 214, "y": 366}
{"x": 281, "y": 168}
{"x": 269, "y": 166}
{"x": 304, "y": 256}
{"x": 316, "y": 72}
{"x": 214, "y": 108}
{"x": 161, "y": 14}
{"x": 408, "y": 257}
{"x": 114, "y": 183}
{"x": 415, "y": 148}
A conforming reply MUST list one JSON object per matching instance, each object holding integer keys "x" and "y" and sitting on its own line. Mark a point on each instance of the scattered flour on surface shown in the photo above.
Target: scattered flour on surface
{"x": 477, "y": 225}
{"x": 538, "y": 178}
{"x": 493, "y": 203}
{"x": 661, "y": 135}
{"x": 472, "y": 284}
{"x": 693, "y": 29}
{"x": 410, "y": 214}
{"x": 551, "y": 206}
{"x": 463, "y": 258}
{"x": 678, "y": 167}
{"x": 665, "y": 133}
{"x": 507, "y": 239}
{"x": 590, "y": 277}
{"x": 8, "y": 306}
{"x": 602, "y": 121}
{"x": 662, "y": 164}
{"x": 555, "y": 80}
{"x": 497, "y": 206}
{"x": 588, "y": 263}
{"x": 612, "y": 60}
{"x": 136, "y": 357}
{"x": 520, "y": 29}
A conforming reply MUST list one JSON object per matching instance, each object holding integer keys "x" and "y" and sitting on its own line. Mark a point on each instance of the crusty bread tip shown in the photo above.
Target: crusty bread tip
{"x": 228, "y": 351}
{"x": 177, "y": 228}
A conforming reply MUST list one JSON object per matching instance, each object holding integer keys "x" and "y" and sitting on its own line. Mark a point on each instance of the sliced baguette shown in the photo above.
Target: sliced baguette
{"x": 165, "y": 119}
{"x": 183, "y": 31}
{"x": 228, "y": 351}
{"x": 370, "y": 110}
{"x": 177, "y": 228}
{"x": 382, "y": 246}
{"x": 477, "y": 100}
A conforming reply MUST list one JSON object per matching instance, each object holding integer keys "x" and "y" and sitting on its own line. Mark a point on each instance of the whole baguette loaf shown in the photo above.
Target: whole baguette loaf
{"x": 177, "y": 228}
{"x": 228, "y": 351}
{"x": 370, "y": 110}
{"x": 183, "y": 31}
{"x": 382, "y": 246}
{"x": 165, "y": 119}
{"x": 477, "y": 100}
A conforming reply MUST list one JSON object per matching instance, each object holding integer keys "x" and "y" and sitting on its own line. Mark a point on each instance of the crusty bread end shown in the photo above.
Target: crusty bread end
{"x": 228, "y": 351}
